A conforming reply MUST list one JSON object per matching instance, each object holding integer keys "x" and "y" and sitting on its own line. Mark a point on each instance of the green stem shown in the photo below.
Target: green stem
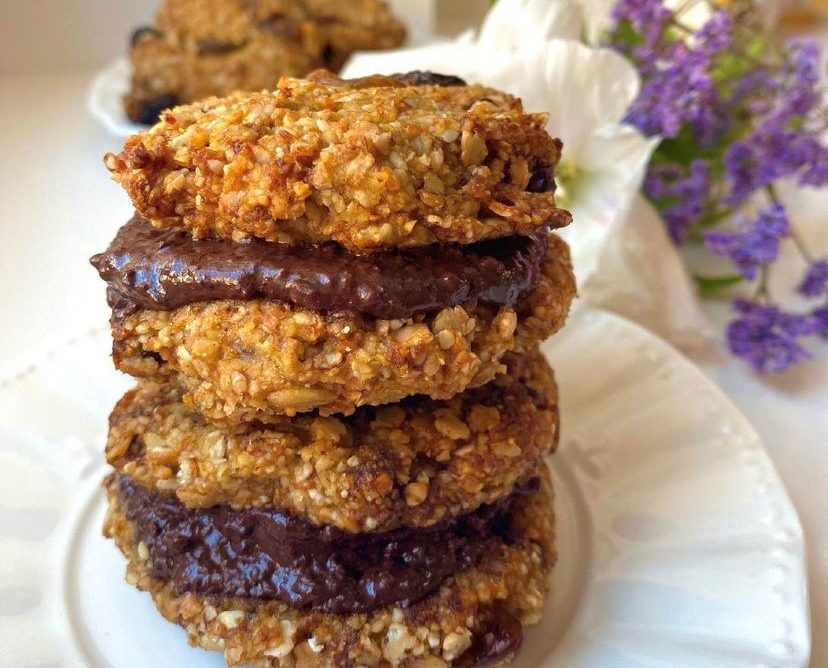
{"x": 762, "y": 293}
{"x": 710, "y": 219}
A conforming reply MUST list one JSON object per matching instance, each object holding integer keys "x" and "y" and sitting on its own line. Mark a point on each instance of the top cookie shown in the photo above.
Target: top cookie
{"x": 199, "y": 48}
{"x": 371, "y": 163}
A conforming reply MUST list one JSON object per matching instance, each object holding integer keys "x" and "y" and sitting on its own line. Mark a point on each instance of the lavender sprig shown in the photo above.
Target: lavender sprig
{"x": 753, "y": 246}
{"x": 736, "y": 115}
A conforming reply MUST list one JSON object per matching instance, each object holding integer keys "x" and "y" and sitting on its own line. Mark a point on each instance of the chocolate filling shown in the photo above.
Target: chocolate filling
{"x": 165, "y": 269}
{"x": 269, "y": 554}
{"x": 428, "y": 78}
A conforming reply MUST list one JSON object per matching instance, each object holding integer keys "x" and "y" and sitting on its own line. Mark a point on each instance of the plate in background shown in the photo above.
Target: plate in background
{"x": 678, "y": 545}
{"x": 105, "y": 99}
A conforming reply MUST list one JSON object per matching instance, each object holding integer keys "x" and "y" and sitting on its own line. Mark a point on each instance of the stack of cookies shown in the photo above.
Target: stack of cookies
{"x": 332, "y": 295}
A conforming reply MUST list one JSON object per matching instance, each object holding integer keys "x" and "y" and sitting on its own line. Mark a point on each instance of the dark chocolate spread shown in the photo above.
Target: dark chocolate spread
{"x": 165, "y": 269}
{"x": 270, "y": 554}
{"x": 427, "y": 78}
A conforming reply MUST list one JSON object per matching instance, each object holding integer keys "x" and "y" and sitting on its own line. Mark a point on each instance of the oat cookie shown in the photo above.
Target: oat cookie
{"x": 249, "y": 360}
{"x": 476, "y": 615}
{"x": 370, "y": 163}
{"x": 409, "y": 464}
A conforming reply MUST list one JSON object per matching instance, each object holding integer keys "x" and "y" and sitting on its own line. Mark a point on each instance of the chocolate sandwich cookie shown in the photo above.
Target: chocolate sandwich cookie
{"x": 254, "y": 330}
{"x": 410, "y": 464}
{"x": 369, "y": 163}
{"x": 200, "y": 48}
{"x": 268, "y": 590}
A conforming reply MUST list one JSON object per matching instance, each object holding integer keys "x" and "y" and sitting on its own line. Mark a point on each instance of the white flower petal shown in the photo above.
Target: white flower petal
{"x": 597, "y": 19}
{"x": 582, "y": 88}
{"x": 599, "y": 200}
{"x": 510, "y": 24}
{"x": 639, "y": 274}
{"x": 611, "y": 145}
{"x": 693, "y": 15}
{"x": 615, "y": 160}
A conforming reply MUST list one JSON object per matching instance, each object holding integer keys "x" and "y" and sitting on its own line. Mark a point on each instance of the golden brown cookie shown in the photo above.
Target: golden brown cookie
{"x": 356, "y": 25}
{"x": 369, "y": 163}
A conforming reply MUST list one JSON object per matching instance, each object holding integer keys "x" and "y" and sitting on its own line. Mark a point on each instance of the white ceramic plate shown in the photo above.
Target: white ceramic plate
{"x": 105, "y": 99}
{"x": 678, "y": 545}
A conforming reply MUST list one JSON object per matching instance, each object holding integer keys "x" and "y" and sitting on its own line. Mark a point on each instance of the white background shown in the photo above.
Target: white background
{"x": 58, "y": 206}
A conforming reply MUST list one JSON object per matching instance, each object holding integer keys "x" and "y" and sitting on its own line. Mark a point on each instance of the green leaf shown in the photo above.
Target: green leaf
{"x": 711, "y": 218}
{"x": 711, "y": 284}
{"x": 755, "y": 46}
{"x": 684, "y": 149}
{"x": 730, "y": 66}
{"x": 626, "y": 34}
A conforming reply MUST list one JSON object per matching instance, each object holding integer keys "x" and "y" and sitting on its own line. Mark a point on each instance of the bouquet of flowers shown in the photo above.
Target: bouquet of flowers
{"x": 736, "y": 114}
{"x": 680, "y": 127}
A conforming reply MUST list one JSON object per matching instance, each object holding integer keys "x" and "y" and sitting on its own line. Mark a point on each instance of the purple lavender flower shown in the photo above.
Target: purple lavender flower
{"x": 776, "y": 97}
{"x": 820, "y": 321}
{"x": 755, "y": 245}
{"x": 648, "y": 17}
{"x": 715, "y": 36}
{"x": 816, "y": 170}
{"x": 745, "y": 120}
{"x": 678, "y": 83}
{"x": 783, "y": 143}
{"x": 688, "y": 189}
{"x": 766, "y": 338}
{"x": 755, "y": 91}
{"x": 815, "y": 281}
{"x": 769, "y": 155}
{"x": 797, "y": 82}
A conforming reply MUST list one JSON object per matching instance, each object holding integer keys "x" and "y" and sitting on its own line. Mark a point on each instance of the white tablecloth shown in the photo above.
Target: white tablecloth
{"x": 58, "y": 206}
